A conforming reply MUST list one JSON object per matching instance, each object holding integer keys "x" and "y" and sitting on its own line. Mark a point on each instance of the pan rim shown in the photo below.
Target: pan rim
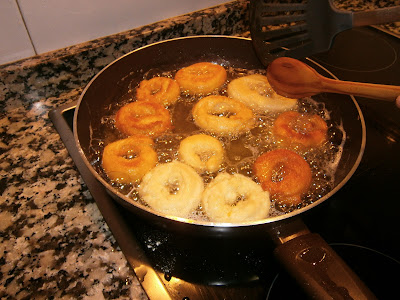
{"x": 148, "y": 210}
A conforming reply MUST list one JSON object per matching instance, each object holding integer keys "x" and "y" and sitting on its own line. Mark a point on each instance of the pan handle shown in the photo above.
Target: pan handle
{"x": 314, "y": 264}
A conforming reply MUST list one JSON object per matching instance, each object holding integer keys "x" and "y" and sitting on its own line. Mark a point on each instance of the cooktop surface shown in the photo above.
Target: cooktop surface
{"x": 359, "y": 221}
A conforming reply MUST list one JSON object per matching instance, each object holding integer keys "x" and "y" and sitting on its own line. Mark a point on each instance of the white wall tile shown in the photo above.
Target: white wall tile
{"x": 14, "y": 39}
{"x": 57, "y": 24}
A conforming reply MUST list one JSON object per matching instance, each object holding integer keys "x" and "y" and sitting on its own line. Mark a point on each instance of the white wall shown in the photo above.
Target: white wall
{"x": 29, "y": 27}
{"x": 14, "y": 39}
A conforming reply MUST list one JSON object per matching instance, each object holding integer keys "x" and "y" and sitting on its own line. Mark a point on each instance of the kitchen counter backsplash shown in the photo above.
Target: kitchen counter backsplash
{"x": 54, "y": 242}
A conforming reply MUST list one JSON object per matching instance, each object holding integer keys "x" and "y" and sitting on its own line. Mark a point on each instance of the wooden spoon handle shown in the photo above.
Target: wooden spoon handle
{"x": 368, "y": 90}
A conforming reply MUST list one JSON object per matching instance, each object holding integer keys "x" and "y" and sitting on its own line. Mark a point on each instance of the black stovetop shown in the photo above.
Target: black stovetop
{"x": 359, "y": 221}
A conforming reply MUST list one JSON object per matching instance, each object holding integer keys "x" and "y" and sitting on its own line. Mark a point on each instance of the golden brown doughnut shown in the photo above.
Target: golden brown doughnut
{"x": 201, "y": 78}
{"x": 143, "y": 117}
{"x": 235, "y": 198}
{"x": 128, "y": 160}
{"x": 202, "y": 152}
{"x": 172, "y": 188}
{"x": 162, "y": 90}
{"x": 285, "y": 174}
{"x": 305, "y": 129}
{"x": 223, "y": 116}
{"x": 256, "y": 92}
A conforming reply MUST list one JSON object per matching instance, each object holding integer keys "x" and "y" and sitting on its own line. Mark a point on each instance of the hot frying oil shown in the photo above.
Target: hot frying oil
{"x": 242, "y": 151}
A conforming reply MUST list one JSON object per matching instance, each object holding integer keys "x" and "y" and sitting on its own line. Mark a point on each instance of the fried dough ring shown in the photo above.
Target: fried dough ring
{"x": 202, "y": 152}
{"x": 172, "y": 188}
{"x": 307, "y": 130}
{"x": 201, "y": 78}
{"x": 128, "y": 160}
{"x": 223, "y": 116}
{"x": 162, "y": 90}
{"x": 235, "y": 198}
{"x": 143, "y": 117}
{"x": 256, "y": 92}
{"x": 285, "y": 174}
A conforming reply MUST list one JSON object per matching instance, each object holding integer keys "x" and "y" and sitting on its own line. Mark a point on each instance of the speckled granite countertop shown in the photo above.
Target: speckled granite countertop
{"x": 54, "y": 242}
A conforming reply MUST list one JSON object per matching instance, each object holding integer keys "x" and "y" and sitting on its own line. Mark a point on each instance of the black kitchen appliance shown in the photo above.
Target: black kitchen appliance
{"x": 359, "y": 221}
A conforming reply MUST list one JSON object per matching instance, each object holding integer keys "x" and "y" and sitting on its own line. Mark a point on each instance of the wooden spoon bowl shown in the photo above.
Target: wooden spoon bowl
{"x": 292, "y": 78}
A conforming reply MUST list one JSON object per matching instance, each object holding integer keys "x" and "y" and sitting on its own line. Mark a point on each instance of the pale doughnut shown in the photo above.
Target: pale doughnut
{"x": 235, "y": 198}
{"x": 128, "y": 160}
{"x": 172, "y": 188}
{"x": 305, "y": 129}
{"x": 162, "y": 90}
{"x": 285, "y": 174}
{"x": 143, "y": 117}
{"x": 202, "y": 152}
{"x": 201, "y": 78}
{"x": 256, "y": 92}
{"x": 223, "y": 116}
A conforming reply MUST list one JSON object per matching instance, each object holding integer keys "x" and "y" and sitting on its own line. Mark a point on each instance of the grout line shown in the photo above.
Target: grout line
{"x": 26, "y": 27}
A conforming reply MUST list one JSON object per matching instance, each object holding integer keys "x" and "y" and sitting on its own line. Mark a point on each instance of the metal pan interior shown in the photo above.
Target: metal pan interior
{"x": 111, "y": 84}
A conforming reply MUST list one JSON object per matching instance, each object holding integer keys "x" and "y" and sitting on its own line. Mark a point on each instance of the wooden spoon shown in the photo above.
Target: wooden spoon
{"x": 292, "y": 78}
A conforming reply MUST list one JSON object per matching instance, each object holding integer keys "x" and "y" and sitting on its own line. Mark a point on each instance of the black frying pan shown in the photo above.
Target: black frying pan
{"x": 306, "y": 255}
